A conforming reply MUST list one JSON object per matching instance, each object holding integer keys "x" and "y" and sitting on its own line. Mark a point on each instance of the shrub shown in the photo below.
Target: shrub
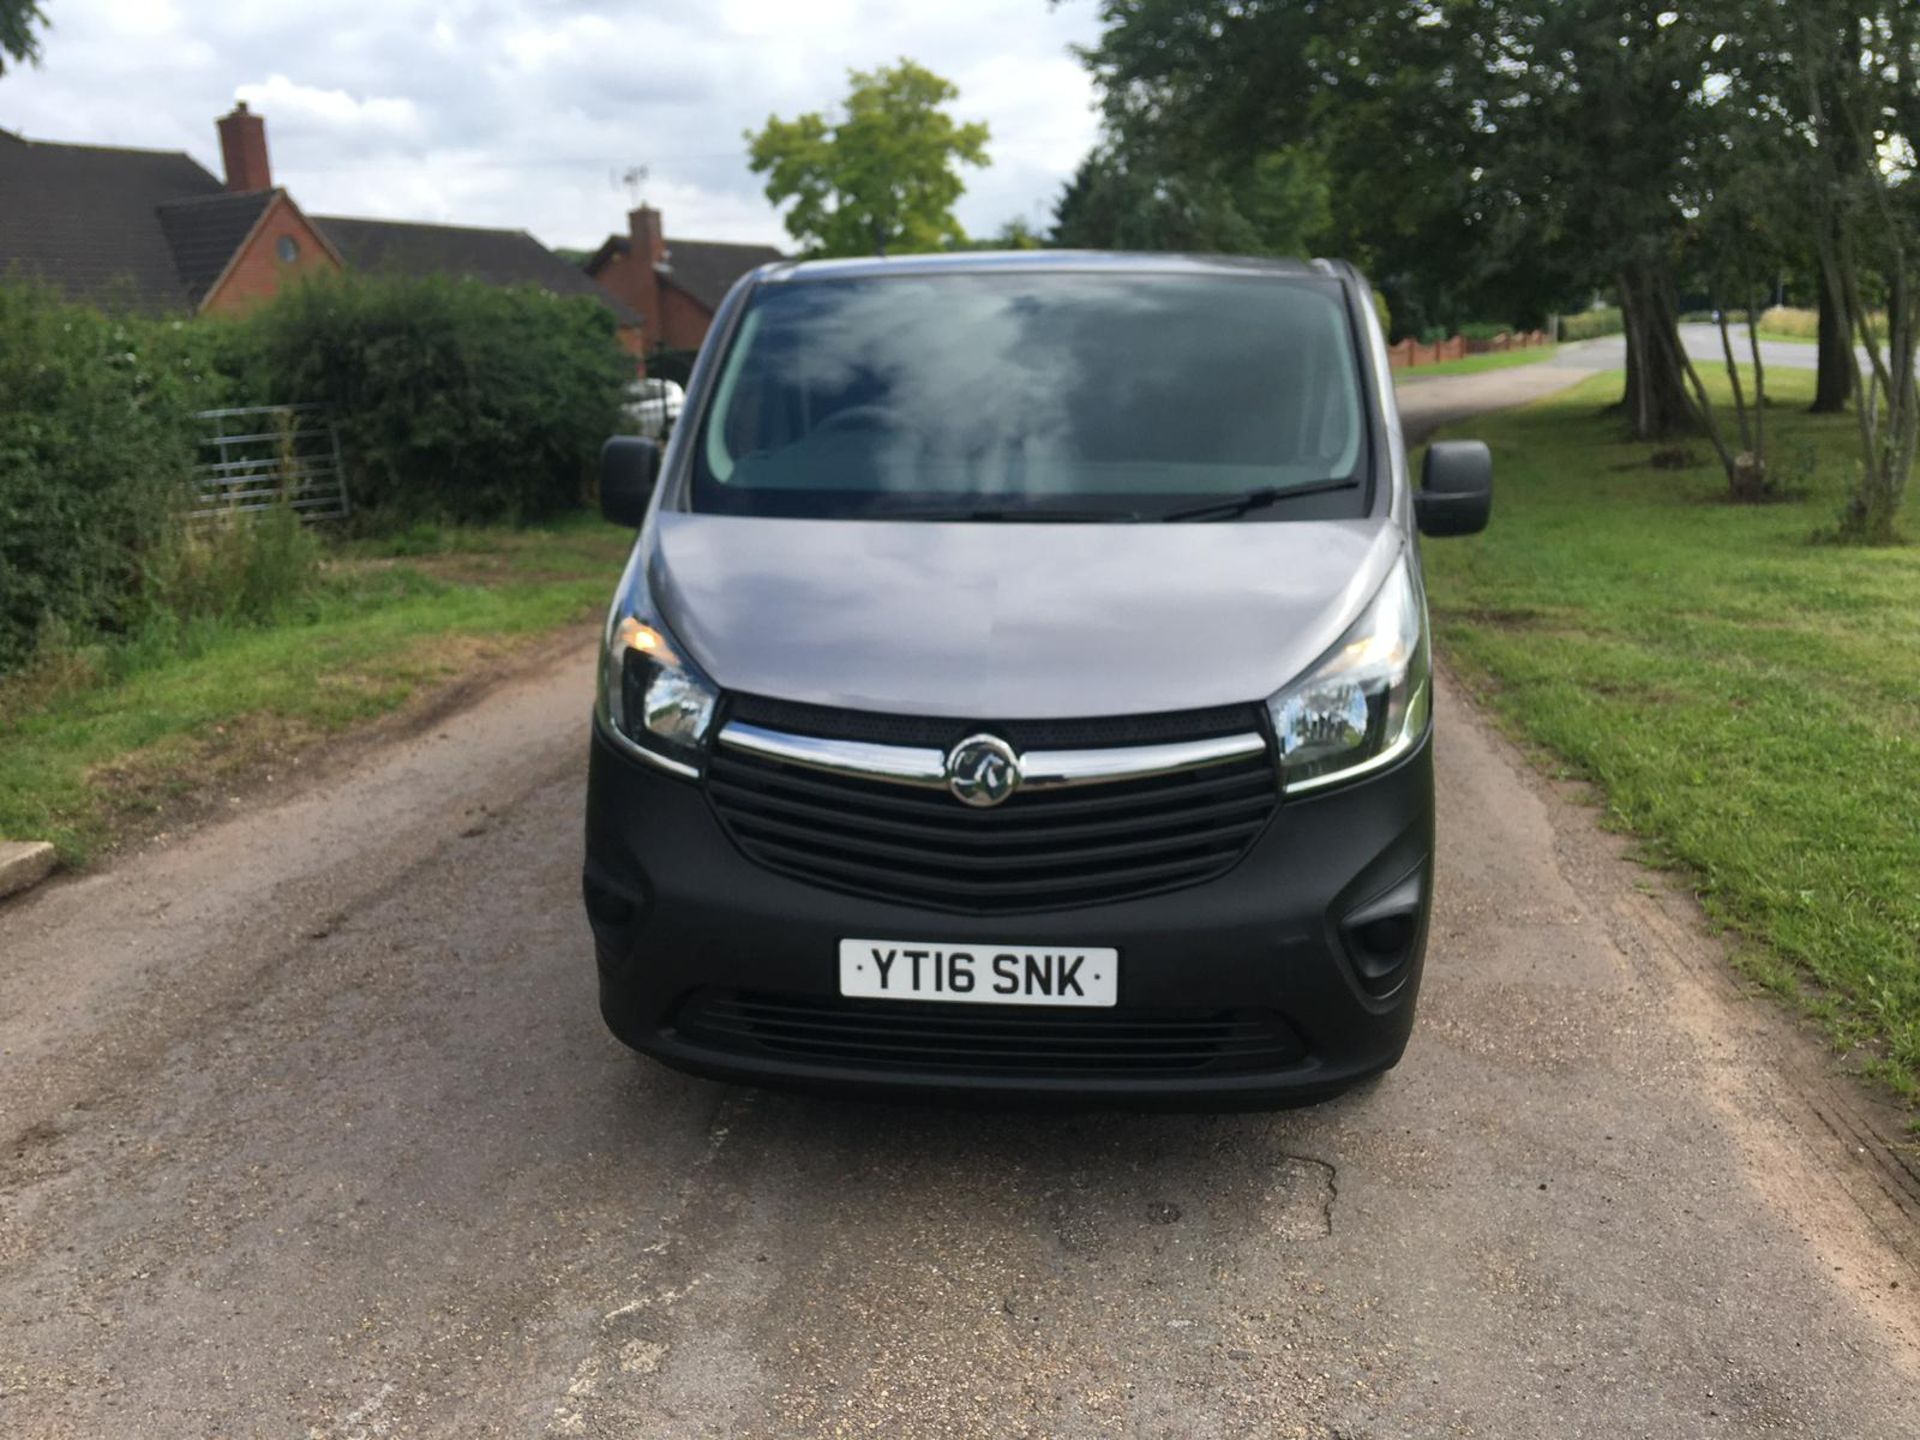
{"x": 1786, "y": 320}
{"x": 248, "y": 566}
{"x": 1805, "y": 324}
{"x": 1590, "y": 324}
{"x": 1485, "y": 330}
{"x": 454, "y": 400}
{"x": 97, "y": 442}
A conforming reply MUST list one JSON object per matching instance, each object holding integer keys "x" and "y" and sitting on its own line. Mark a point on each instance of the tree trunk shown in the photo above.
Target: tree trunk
{"x": 1630, "y": 338}
{"x": 1838, "y": 368}
{"x": 1656, "y": 400}
{"x": 1834, "y": 387}
{"x": 1889, "y": 412}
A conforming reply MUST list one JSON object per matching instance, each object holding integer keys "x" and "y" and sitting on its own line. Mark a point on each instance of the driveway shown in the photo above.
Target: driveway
{"x": 1428, "y": 402}
{"x": 311, "y": 1129}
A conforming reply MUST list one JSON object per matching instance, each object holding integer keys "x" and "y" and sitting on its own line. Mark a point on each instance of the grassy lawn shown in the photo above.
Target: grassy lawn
{"x": 1748, "y": 701}
{"x": 104, "y": 743}
{"x": 1474, "y": 364}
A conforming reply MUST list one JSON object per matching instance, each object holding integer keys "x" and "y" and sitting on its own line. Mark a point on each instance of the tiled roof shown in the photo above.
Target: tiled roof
{"x": 155, "y": 230}
{"x": 501, "y": 257}
{"x": 86, "y": 218}
{"x": 704, "y": 269}
{"x": 205, "y": 232}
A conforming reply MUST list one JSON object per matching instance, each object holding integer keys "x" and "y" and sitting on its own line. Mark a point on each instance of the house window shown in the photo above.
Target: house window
{"x": 288, "y": 249}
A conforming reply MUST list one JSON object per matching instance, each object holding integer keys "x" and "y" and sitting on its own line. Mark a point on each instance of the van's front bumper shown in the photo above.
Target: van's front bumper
{"x": 1253, "y": 988}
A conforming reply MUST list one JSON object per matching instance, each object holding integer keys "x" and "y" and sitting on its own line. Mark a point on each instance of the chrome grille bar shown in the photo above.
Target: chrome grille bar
{"x": 1039, "y": 769}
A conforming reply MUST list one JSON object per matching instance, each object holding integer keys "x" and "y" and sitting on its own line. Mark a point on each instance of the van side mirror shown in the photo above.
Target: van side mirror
{"x": 1456, "y": 488}
{"x": 629, "y": 464}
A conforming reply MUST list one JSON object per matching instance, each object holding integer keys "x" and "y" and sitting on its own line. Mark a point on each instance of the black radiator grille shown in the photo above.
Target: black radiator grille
{"x": 973, "y": 1040}
{"x": 1040, "y": 850}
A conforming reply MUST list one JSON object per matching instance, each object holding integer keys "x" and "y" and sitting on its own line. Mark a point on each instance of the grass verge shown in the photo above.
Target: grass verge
{"x": 105, "y": 742}
{"x": 1748, "y": 700}
{"x": 1474, "y": 364}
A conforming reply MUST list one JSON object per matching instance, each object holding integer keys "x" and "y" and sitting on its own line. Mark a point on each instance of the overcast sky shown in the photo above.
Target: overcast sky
{"x": 524, "y": 113}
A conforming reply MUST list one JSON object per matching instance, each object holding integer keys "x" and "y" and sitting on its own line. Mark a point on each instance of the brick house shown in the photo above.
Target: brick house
{"x": 674, "y": 285}
{"x": 153, "y": 230}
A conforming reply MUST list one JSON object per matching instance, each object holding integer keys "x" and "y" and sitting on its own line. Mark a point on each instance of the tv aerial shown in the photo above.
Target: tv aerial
{"x": 630, "y": 180}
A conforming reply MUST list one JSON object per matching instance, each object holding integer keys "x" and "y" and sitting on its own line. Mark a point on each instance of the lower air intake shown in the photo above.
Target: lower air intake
{"x": 961, "y": 1040}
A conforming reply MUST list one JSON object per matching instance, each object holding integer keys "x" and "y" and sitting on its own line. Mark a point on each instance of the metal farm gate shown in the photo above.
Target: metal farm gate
{"x": 265, "y": 455}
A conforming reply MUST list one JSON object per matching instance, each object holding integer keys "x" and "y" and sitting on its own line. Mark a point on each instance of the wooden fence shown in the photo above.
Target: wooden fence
{"x": 1410, "y": 353}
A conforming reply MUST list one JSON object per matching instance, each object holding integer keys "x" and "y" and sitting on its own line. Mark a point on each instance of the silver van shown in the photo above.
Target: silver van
{"x": 1021, "y": 685}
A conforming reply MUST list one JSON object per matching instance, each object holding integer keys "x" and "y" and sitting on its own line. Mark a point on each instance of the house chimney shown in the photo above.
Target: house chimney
{"x": 649, "y": 244}
{"x": 243, "y": 146}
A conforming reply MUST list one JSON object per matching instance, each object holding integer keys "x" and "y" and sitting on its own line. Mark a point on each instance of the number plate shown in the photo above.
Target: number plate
{"x": 978, "y": 974}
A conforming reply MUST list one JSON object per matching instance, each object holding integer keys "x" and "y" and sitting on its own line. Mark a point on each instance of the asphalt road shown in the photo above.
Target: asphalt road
{"x": 1428, "y": 401}
{"x": 312, "y": 1130}
{"x": 1702, "y": 344}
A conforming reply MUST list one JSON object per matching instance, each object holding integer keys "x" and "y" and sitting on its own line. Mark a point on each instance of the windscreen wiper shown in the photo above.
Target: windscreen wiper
{"x": 1232, "y": 507}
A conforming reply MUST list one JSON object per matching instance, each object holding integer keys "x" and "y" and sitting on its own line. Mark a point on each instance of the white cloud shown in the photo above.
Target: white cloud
{"x": 334, "y": 114}
{"x": 534, "y": 46}
{"x": 524, "y": 113}
{"x": 758, "y": 19}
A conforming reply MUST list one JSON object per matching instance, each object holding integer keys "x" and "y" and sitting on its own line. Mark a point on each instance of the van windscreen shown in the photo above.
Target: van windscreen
{"x": 1034, "y": 395}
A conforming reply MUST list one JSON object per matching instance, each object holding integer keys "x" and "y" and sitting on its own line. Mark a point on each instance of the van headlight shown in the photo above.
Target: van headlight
{"x": 1366, "y": 702}
{"x": 654, "y": 696}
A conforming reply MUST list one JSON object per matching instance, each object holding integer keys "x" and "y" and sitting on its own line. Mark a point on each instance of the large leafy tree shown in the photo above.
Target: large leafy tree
{"x": 19, "y": 19}
{"x": 1609, "y": 120}
{"x": 1501, "y": 153}
{"x": 1385, "y": 106}
{"x": 879, "y": 178}
{"x": 1178, "y": 79}
{"x": 1124, "y": 197}
{"x": 1482, "y": 153}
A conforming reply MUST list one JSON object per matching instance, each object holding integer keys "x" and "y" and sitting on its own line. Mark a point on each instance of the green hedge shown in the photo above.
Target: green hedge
{"x": 1591, "y": 324}
{"x": 97, "y": 446}
{"x": 454, "y": 400}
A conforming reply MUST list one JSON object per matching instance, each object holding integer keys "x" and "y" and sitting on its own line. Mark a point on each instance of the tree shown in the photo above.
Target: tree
{"x": 1837, "y": 82}
{"x": 1121, "y": 200}
{"x": 883, "y": 177}
{"x": 1734, "y": 252}
{"x": 1833, "y": 382}
{"x": 1013, "y": 234}
{"x": 1858, "y": 64}
{"x": 18, "y": 43}
{"x": 1485, "y": 151}
{"x": 1017, "y": 234}
{"x": 1833, "y": 385}
{"x": 1204, "y": 109}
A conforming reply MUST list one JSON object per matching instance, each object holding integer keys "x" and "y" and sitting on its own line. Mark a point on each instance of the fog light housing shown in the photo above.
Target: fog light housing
{"x": 1383, "y": 936}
